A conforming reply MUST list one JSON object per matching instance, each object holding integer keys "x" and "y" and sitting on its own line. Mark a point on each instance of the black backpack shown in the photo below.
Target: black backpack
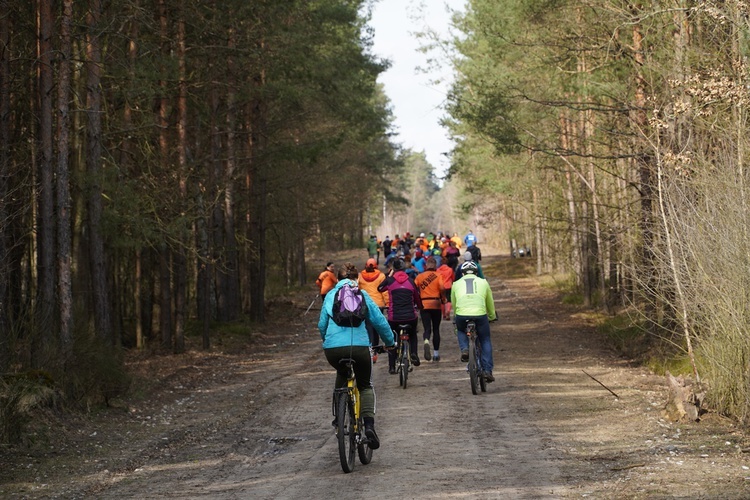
{"x": 349, "y": 306}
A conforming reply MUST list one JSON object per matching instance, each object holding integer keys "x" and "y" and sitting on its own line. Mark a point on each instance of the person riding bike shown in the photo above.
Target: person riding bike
{"x": 472, "y": 300}
{"x": 341, "y": 342}
{"x": 404, "y": 304}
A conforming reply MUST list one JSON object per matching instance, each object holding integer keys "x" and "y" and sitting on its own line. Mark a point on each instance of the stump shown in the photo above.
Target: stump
{"x": 682, "y": 402}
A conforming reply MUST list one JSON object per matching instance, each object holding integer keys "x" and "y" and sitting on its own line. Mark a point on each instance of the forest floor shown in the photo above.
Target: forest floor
{"x": 252, "y": 419}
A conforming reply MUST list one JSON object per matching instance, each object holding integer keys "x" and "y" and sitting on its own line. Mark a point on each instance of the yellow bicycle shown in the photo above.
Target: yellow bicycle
{"x": 350, "y": 426}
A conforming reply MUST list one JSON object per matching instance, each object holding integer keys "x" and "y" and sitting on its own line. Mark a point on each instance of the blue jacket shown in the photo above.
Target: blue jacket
{"x": 334, "y": 335}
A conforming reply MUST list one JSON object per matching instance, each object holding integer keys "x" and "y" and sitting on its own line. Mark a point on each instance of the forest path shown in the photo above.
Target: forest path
{"x": 258, "y": 424}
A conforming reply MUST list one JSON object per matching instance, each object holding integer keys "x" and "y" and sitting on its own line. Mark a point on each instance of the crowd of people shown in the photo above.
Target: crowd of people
{"x": 429, "y": 278}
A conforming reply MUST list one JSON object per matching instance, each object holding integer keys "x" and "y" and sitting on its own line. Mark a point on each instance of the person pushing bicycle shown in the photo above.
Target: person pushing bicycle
{"x": 343, "y": 342}
{"x": 471, "y": 297}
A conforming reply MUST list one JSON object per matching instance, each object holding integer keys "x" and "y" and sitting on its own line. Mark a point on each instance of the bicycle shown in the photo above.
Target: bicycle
{"x": 350, "y": 425}
{"x": 476, "y": 373}
{"x": 403, "y": 361}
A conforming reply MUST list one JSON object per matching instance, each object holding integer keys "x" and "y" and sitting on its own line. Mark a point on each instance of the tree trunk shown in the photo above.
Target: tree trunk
{"x": 64, "y": 238}
{"x": 5, "y": 217}
{"x": 231, "y": 264}
{"x": 45, "y": 243}
{"x": 180, "y": 261}
{"x": 165, "y": 255}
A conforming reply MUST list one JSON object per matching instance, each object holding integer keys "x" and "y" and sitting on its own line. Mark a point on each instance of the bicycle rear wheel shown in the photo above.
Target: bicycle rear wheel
{"x": 474, "y": 372}
{"x": 363, "y": 448}
{"x": 404, "y": 362}
{"x": 480, "y": 370}
{"x": 345, "y": 433}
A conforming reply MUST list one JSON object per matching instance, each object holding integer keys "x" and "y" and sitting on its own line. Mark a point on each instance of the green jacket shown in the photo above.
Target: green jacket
{"x": 472, "y": 296}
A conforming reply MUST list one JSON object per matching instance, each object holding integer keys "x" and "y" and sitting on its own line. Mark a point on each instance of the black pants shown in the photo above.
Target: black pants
{"x": 431, "y": 323}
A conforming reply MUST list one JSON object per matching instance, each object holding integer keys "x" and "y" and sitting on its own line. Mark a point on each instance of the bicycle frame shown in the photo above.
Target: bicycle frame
{"x": 402, "y": 355}
{"x": 476, "y": 373}
{"x": 350, "y": 436}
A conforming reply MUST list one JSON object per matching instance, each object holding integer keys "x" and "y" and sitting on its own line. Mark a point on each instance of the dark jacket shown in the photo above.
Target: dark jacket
{"x": 404, "y": 300}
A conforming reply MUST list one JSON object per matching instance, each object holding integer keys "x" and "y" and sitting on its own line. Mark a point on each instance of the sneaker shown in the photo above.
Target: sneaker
{"x": 392, "y": 370}
{"x": 374, "y": 358}
{"x": 415, "y": 360}
{"x": 427, "y": 350}
{"x": 464, "y": 355}
{"x": 488, "y": 377}
{"x": 372, "y": 437}
{"x": 436, "y": 358}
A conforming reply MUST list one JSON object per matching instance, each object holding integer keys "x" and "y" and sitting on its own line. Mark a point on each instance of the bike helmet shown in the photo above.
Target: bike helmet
{"x": 399, "y": 265}
{"x": 469, "y": 267}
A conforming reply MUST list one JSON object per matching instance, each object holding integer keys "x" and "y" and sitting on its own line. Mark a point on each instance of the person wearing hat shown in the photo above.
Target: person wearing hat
{"x": 326, "y": 280}
{"x": 368, "y": 281}
{"x": 468, "y": 258}
{"x": 404, "y": 304}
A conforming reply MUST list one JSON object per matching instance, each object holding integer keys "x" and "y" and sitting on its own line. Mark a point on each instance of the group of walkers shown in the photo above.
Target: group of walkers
{"x": 425, "y": 278}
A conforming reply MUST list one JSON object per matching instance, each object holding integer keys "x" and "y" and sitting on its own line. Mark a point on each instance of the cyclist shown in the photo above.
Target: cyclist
{"x": 404, "y": 303}
{"x": 431, "y": 290}
{"x": 340, "y": 342}
{"x": 368, "y": 282}
{"x": 472, "y": 300}
{"x": 326, "y": 280}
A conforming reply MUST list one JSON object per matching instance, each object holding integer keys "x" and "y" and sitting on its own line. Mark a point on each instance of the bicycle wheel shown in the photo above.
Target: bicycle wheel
{"x": 363, "y": 449}
{"x": 346, "y": 436}
{"x": 404, "y": 375}
{"x": 480, "y": 371}
{"x": 473, "y": 367}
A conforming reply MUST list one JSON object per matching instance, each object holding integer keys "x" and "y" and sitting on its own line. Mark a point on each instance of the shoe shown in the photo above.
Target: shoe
{"x": 415, "y": 360}
{"x": 374, "y": 358}
{"x": 427, "y": 350}
{"x": 372, "y": 437}
{"x": 435, "y": 358}
{"x": 488, "y": 377}
{"x": 464, "y": 355}
{"x": 392, "y": 370}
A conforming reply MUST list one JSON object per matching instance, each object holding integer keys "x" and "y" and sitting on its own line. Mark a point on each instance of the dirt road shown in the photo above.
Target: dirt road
{"x": 259, "y": 425}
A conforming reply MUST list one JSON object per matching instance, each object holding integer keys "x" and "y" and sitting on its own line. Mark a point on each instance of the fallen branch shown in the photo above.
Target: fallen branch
{"x": 610, "y": 390}
{"x": 626, "y": 467}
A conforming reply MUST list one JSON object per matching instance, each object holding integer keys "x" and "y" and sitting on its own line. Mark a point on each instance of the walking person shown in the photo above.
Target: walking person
{"x": 368, "y": 280}
{"x": 326, "y": 280}
{"x": 404, "y": 304}
{"x": 431, "y": 290}
{"x": 373, "y": 248}
{"x": 340, "y": 342}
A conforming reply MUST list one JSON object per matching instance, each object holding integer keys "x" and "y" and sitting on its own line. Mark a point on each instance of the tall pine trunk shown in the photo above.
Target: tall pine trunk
{"x": 64, "y": 203}
{"x": 103, "y": 322}
{"x": 45, "y": 242}
{"x": 5, "y": 226}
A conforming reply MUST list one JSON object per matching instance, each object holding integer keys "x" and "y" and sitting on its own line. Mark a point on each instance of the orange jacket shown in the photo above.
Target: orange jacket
{"x": 430, "y": 285}
{"x": 447, "y": 274}
{"x": 326, "y": 280}
{"x": 368, "y": 282}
